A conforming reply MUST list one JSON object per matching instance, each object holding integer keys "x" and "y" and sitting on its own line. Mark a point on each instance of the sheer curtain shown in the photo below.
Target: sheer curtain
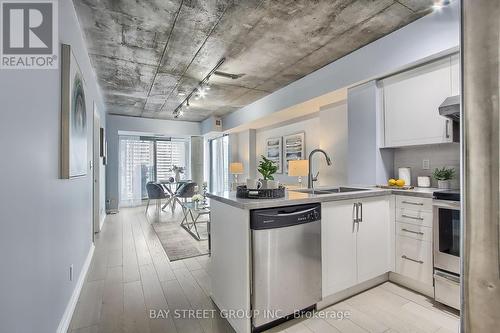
{"x": 136, "y": 169}
{"x": 219, "y": 164}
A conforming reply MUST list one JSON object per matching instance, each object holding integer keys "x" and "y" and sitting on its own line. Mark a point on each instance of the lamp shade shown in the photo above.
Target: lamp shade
{"x": 298, "y": 168}
{"x": 236, "y": 168}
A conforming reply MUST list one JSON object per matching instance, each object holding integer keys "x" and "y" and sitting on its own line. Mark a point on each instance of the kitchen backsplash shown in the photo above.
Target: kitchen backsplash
{"x": 447, "y": 155}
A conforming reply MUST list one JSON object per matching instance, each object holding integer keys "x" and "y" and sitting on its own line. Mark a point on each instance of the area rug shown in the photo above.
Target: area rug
{"x": 176, "y": 241}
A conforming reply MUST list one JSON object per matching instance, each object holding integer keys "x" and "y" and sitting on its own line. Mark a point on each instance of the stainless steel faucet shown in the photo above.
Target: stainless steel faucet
{"x": 310, "y": 178}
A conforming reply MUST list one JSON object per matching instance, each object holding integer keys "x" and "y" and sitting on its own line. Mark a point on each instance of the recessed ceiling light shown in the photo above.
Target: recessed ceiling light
{"x": 181, "y": 93}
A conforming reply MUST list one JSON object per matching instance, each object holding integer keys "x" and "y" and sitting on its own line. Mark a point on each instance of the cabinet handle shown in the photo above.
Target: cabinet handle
{"x": 413, "y": 203}
{"x": 413, "y": 232}
{"x": 360, "y": 205}
{"x": 413, "y": 217}
{"x": 414, "y": 260}
{"x": 354, "y": 215}
{"x": 447, "y": 131}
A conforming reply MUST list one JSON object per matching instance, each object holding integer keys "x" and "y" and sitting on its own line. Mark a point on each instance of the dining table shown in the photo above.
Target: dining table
{"x": 171, "y": 187}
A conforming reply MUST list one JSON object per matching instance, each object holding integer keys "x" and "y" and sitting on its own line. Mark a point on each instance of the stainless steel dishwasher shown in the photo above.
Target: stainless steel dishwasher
{"x": 286, "y": 262}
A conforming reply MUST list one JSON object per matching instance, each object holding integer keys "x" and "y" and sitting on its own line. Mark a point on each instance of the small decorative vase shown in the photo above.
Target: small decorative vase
{"x": 444, "y": 184}
{"x": 196, "y": 205}
{"x": 177, "y": 176}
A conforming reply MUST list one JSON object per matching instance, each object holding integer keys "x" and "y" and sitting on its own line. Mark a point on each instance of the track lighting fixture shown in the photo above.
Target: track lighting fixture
{"x": 200, "y": 91}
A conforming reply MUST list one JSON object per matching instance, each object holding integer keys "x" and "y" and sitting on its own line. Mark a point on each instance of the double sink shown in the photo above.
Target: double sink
{"x": 330, "y": 190}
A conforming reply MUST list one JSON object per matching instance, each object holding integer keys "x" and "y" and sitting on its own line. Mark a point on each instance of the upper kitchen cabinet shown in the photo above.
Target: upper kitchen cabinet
{"x": 411, "y": 100}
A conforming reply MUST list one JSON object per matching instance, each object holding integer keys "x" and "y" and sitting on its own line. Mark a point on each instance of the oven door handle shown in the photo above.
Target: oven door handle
{"x": 447, "y": 277}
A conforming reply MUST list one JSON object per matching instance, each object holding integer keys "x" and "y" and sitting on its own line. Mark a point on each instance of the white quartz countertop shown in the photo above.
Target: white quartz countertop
{"x": 298, "y": 198}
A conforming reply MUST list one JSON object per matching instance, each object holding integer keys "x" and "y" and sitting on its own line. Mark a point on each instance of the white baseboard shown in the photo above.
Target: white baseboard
{"x": 70, "y": 308}
{"x": 422, "y": 288}
{"x": 344, "y": 294}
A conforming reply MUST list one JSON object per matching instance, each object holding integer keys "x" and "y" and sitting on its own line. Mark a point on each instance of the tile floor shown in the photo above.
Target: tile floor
{"x": 130, "y": 275}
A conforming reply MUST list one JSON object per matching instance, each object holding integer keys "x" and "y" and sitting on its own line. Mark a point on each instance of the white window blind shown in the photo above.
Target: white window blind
{"x": 145, "y": 159}
{"x": 170, "y": 153}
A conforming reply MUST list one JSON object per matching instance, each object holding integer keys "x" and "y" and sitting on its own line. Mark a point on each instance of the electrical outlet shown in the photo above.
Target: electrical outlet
{"x": 426, "y": 164}
{"x": 71, "y": 272}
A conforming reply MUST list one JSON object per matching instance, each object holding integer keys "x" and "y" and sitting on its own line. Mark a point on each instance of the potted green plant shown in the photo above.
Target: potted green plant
{"x": 267, "y": 169}
{"x": 444, "y": 177}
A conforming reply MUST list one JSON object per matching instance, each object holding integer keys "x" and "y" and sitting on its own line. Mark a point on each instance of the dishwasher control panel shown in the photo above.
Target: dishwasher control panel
{"x": 279, "y": 217}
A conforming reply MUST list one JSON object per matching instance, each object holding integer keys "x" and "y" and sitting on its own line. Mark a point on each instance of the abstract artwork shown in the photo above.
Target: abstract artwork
{"x": 274, "y": 152}
{"x": 294, "y": 148}
{"x": 74, "y": 159}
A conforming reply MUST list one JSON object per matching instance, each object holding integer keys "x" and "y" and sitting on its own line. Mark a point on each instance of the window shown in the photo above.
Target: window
{"x": 168, "y": 154}
{"x": 136, "y": 169}
{"x": 145, "y": 159}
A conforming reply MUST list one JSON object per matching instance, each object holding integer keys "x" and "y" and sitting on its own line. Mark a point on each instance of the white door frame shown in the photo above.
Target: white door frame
{"x": 96, "y": 160}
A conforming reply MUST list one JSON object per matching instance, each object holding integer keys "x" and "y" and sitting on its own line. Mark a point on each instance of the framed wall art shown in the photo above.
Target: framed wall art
{"x": 74, "y": 135}
{"x": 294, "y": 148}
{"x": 274, "y": 152}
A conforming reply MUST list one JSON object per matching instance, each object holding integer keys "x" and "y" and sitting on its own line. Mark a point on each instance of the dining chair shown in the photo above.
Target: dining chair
{"x": 185, "y": 191}
{"x": 155, "y": 192}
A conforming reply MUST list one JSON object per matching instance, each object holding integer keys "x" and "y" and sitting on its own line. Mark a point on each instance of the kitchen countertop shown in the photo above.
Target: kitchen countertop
{"x": 298, "y": 198}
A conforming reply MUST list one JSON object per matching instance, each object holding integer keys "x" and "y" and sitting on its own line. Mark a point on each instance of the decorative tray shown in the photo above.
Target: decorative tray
{"x": 395, "y": 187}
{"x": 243, "y": 192}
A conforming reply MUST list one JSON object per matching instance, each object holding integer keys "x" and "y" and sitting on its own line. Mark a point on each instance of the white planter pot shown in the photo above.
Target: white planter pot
{"x": 270, "y": 184}
{"x": 444, "y": 184}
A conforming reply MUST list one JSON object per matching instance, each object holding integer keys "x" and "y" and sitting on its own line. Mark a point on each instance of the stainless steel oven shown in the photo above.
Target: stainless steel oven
{"x": 446, "y": 230}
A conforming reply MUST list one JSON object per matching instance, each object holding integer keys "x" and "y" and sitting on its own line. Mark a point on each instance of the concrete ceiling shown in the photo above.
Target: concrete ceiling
{"x": 147, "y": 52}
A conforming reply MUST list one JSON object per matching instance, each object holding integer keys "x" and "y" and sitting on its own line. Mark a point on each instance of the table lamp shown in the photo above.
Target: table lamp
{"x": 236, "y": 169}
{"x": 298, "y": 168}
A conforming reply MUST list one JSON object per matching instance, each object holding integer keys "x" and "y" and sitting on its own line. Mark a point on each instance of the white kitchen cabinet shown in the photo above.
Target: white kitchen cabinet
{"x": 414, "y": 259}
{"x": 338, "y": 246}
{"x": 411, "y": 101}
{"x": 355, "y": 252}
{"x": 374, "y": 252}
{"x": 414, "y": 238}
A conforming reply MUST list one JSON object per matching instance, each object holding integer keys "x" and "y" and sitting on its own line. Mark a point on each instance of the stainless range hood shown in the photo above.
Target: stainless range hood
{"x": 450, "y": 108}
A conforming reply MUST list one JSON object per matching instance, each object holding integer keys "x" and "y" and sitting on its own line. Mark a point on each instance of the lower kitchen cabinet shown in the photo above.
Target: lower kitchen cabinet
{"x": 352, "y": 251}
{"x": 414, "y": 239}
{"x": 374, "y": 253}
{"x": 414, "y": 259}
{"x": 338, "y": 246}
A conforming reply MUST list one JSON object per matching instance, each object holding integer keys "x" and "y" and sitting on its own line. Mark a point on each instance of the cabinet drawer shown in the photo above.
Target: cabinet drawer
{"x": 414, "y": 259}
{"x": 416, "y": 217}
{"x": 447, "y": 289}
{"x": 414, "y": 203}
{"x": 414, "y": 231}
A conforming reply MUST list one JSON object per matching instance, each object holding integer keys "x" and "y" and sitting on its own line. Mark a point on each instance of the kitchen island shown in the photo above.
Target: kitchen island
{"x": 355, "y": 222}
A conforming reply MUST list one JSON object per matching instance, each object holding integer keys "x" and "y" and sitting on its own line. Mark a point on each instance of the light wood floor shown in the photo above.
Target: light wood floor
{"x": 130, "y": 275}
